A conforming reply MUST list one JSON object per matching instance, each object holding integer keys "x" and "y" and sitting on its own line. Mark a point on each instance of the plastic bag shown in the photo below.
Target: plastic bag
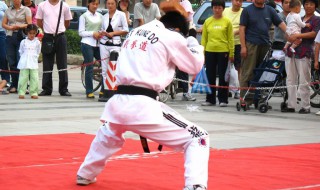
{"x": 227, "y": 74}
{"x": 234, "y": 80}
{"x": 201, "y": 84}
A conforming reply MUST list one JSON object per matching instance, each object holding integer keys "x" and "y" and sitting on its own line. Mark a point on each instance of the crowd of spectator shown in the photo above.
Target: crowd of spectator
{"x": 234, "y": 34}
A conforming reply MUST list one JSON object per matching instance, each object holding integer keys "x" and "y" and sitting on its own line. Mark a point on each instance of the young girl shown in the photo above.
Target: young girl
{"x": 28, "y": 64}
{"x": 294, "y": 23}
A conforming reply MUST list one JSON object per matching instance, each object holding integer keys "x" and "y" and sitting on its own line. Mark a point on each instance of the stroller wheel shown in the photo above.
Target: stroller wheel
{"x": 244, "y": 106}
{"x": 283, "y": 106}
{"x": 263, "y": 108}
{"x": 238, "y": 106}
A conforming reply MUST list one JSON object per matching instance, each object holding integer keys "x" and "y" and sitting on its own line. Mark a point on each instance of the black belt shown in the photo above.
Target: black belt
{"x": 110, "y": 44}
{"x": 60, "y": 34}
{"x": 136, "y": 90}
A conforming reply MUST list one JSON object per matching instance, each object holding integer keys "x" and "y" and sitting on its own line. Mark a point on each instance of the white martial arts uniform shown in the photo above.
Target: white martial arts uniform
{"x": 148, "y": 59}
{"x": 118, "y": 23}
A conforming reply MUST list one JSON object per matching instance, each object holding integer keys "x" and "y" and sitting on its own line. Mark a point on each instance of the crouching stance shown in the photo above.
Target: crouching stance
{"x": 146, "y": 65}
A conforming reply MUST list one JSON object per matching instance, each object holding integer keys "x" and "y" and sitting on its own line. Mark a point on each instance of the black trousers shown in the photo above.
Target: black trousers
{"x": 183, "y": 76}
{"x": 60, "y": 53}
{"x": 216, "y": 63}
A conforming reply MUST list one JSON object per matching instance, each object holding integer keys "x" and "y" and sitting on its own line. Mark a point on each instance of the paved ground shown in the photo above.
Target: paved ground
{"x": 228, "y": 127}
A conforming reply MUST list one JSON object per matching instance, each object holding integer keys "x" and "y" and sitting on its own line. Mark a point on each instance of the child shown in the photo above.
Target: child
{"x": 3, "y": 84}
{"x": 28, "y": 64}
{"x": 294, "y": 23}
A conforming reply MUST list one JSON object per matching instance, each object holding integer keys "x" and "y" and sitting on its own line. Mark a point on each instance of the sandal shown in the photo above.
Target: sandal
{"x": 4, "y": 92}
{"x": 13, "y": 90}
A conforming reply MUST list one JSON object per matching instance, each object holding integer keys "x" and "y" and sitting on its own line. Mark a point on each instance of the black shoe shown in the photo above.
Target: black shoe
{"x": 288, "y": 110}
{"x": 304, "y": 111}
{"x": 65, "y": 94}
{"x": 44, "y": 93}
{"x": 103, "y": 99}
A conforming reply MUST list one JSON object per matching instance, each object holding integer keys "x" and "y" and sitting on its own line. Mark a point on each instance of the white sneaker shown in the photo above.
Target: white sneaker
{"x": 236, "y": 95}
{"x": 207, "y": 104}
{"x": 318, "y": 113}
{"x": 188, "y": 97}
{"x": 222, "y": 104}
{"x": 83, "y": 181}
{"x": 195, "y": 187}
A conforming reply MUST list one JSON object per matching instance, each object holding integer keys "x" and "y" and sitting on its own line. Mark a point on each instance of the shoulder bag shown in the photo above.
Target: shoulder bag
{"x": 49, "y": 40}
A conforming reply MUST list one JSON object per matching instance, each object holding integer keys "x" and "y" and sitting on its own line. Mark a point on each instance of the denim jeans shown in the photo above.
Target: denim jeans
{"x": 3, "y": 59}
{"x": 13, "y": 56}
{"x": 89, "y": 53}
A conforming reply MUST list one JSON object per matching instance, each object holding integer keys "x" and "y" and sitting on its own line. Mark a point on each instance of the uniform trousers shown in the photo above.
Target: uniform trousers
{"x": 24, "y": 76}
{"x": 105, "y": 52}
{"x": 298, "y": 72}
{"x": 175, "y": 132}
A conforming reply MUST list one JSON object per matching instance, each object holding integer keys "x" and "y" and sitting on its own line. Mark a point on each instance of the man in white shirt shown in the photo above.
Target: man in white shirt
{"x": 145, "y": 12}
{"x": 47, "y": 19}
{"x": 146, "y": 65}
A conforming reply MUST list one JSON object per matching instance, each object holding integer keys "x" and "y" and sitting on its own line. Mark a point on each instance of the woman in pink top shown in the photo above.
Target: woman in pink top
{"x": 33, "y": 7}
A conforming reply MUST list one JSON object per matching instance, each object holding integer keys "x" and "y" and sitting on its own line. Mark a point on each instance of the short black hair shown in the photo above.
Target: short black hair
{"x": 218, "y": 3}
{"x": 271, "y": 3}
{"x": 174, "y": 19}
{"x": 193, "y": 32}
{"x": 313, "y": 1}
{"x": 32, "y": 27}
{"x": 294, "y": 3}
{"x": 119, "y": 8}
{"x": 92, "y": 1}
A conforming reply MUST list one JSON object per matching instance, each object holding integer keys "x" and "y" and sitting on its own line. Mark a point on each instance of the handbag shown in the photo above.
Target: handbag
{"x": 47, "y": 44}
{"x": 49, "y": 40}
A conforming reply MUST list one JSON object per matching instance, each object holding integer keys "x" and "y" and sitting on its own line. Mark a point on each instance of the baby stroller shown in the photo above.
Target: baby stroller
{"x": 269, "y": 75}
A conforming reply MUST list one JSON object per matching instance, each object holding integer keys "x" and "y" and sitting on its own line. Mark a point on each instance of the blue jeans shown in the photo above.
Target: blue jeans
{"x": 13, "y": 57}
{"x": 3, "y": 59}
{"x": 89, "y": 53}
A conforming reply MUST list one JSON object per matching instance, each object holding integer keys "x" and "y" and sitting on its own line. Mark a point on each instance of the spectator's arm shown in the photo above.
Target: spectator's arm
{"x": 236, "y": 32}
{"x": 242, "y": 34}
{"x": 67, "y": 23}
{"x": 141, "y": 22}
{"x": 306, "y": 35}
{"x": 231, "y": 41}
{"x": 283, "y": 26}
{"x": 40, "y": 23}
{"x": 316, "y": 56}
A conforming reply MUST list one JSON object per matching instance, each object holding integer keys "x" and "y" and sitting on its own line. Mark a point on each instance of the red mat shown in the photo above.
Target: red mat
{"x": 42, "y": 162}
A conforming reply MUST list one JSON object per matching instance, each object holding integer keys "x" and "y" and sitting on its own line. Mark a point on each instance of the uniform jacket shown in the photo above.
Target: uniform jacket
{"x": 148, "y": 59}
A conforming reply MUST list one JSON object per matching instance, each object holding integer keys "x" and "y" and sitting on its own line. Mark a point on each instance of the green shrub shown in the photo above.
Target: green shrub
{"x": 73, "y": 42}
